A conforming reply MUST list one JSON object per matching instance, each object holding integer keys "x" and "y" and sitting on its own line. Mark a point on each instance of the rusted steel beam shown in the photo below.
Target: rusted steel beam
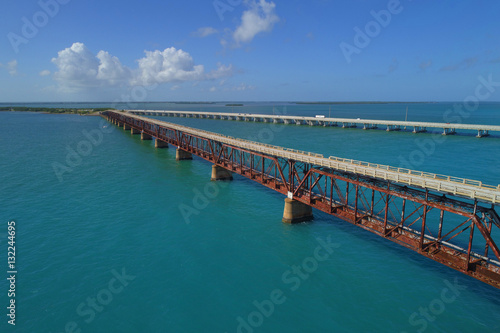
{"x": 424, "y": 220}
{"x": 487, "y": 246}
{"x": 487, "y": 236}
{"x": 356, "y": 205}
{"x": 301, "y": 183}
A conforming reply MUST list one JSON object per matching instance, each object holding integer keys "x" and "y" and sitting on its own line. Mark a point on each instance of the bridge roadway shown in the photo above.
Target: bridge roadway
{"x": 467, "y": 188}
{"x": 391, "y": 125}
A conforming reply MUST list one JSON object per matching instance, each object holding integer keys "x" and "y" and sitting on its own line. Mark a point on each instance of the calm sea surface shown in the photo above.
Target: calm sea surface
{"x": 115, "y": 236}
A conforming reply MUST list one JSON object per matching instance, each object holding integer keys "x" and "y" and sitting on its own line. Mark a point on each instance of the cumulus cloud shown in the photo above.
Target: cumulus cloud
{"x": 44, "y": 73}
{"x": 78, "y": 67}
{"x": 11, "y": 67}
{"x": 172, "y": 65}
{"x": 205, "y": 32}
{"x": 111, "y": 70}
{"x": 260, "y": 17}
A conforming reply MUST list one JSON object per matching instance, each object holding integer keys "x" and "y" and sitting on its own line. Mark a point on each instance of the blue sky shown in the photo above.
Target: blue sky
{"x": 247, "y": 50}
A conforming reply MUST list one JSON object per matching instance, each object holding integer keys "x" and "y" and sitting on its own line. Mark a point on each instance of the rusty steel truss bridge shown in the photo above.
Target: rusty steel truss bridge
{"x": 447, "y": 219}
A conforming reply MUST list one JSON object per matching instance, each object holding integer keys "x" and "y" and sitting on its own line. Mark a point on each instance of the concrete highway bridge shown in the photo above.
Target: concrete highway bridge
{"x": 390, "y": 125}
{"x": 447, "y": 219}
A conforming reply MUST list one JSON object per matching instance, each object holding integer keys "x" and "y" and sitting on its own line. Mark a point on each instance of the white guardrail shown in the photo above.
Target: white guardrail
{"x": 468, "y": 188}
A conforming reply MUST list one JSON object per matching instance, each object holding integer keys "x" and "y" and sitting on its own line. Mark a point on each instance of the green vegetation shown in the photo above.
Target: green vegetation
{"x": 332, "y": 103}
{"x": 54, "y": 110}
{"x": 193, "y": 102}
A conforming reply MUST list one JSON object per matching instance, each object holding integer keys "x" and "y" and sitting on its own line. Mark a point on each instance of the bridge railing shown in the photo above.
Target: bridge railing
{"x": 424, "y": 174}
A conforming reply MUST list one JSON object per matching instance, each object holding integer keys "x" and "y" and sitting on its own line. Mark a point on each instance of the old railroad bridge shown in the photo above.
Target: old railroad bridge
{"x": 450, "y": 220}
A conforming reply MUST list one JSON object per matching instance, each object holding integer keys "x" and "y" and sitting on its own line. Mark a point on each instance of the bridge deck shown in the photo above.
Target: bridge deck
{"x": 467, "y": 188}
{"x": 370, "y": 122}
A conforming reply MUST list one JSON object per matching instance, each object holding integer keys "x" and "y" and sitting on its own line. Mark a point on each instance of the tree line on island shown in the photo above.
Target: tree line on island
{"x": 54, "y": 110}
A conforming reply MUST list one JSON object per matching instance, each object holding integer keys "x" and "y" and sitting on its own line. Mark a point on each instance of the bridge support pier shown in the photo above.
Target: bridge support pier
{"x": 296, "y": 211}
{"x": 181, "y": 155}
{"x": 145, "y": 136}
{"x": 126, "y": 127}
{"x": 481, "y": 133}
{"x": 393, "y": 128}
{"x": 134, "y": 131}
{"x": 419, "y": 129}
{"x": 448, "y": 131}
{"x": 160, "y": 144}
{"x": 220, "y": 173}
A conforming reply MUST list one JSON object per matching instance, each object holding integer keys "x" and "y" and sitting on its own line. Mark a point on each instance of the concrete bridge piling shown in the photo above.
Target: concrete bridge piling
{"x": 220, "y": 173}
{"x": 145, "y": 136}
{"x": 182, "y": 155}
{"x": 296, "y": 212}
{"x": 160, "y": 144}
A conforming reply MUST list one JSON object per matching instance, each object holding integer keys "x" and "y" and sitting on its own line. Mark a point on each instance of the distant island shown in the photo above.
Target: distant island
{"x": 327, "y": 103}
{"x": 193, "y": 102}
{"x": 234, "y": 104}
{"x": 83, "y": 112}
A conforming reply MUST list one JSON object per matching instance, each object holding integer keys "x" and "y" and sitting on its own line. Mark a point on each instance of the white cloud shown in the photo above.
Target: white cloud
{"x": 261, "y": 17}
{"x": 213, "y": 89}
{"x": 111, "y": 70}
{"x": 242, "y": 87}
{"x": 11, "y": 67}
{"x": 170, "y": 65}
{"x": 79, "y": 68}
{"x": 204, "y": 32}
{"x": 221, "y": 72}
{"x": 44, "y": 73}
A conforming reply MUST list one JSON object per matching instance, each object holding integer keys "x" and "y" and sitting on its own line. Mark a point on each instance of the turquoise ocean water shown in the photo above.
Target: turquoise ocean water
{"x": 103, "y": 244}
